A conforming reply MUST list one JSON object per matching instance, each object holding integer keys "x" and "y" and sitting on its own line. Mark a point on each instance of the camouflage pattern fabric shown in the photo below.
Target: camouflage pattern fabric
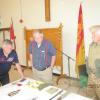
{"x": 93, "y": 88}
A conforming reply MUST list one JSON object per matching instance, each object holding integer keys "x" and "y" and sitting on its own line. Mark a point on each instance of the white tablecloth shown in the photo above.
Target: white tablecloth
{"x": 29, "y": 90}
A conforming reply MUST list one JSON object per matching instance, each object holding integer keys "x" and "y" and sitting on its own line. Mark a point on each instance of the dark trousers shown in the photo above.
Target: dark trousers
{"x": 4, "y": 79}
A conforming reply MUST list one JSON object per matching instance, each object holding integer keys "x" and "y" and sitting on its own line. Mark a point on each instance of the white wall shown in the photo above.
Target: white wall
{"x": 62, "y": 11}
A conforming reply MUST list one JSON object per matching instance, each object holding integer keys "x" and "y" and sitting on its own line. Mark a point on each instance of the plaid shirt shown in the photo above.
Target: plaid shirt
{"x": 42, "y": 55}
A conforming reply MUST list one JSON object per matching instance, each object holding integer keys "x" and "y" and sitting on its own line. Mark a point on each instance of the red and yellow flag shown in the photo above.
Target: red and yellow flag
{"x": 80, "y": 50}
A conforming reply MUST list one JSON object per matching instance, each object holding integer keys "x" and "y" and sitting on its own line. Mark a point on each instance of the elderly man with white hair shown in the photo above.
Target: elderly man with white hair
{"x": 43, "y": 55}
{"x": 93, "y": 88}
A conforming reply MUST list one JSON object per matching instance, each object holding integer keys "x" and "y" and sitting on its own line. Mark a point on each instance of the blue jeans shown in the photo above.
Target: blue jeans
{"x": 4, "y": 79}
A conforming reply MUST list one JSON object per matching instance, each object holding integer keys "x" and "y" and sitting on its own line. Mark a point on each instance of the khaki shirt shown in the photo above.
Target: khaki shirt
{"x": 94, "y": 58}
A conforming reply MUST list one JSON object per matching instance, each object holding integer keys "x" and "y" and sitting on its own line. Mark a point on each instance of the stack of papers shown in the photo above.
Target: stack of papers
{"x": 50, "y": 93}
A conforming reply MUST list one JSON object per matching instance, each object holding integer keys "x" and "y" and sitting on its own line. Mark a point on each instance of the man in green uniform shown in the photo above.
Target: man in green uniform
{"x": 93, "y": 88}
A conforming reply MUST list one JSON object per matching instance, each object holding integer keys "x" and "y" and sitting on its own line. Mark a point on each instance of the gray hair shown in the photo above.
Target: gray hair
{"x": 7, "y": 42}
{"x": 95, "y": 28}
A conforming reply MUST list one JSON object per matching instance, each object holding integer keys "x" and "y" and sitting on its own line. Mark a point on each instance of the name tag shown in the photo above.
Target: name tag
{"x": 43, "y": 54}
{"x": 43, "y": 51}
